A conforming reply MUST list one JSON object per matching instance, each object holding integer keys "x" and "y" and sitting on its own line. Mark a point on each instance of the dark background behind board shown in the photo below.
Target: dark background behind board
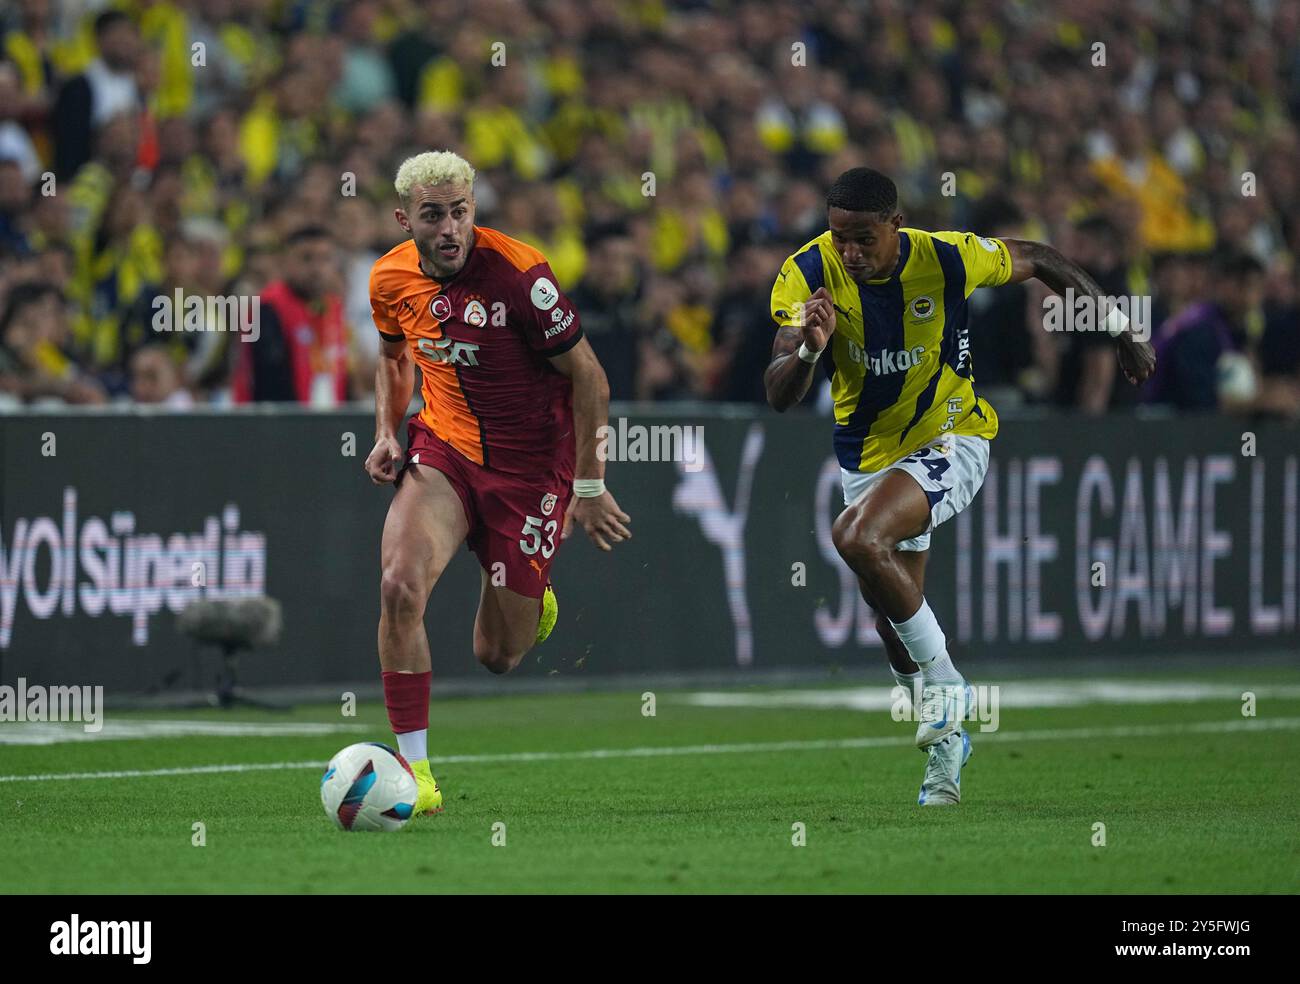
{"x": 663, "y": 602}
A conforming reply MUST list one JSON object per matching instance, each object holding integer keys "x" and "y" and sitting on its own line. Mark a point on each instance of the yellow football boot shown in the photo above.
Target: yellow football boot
{"x": 429, "y": 798}
{"x": 550, "y": 612}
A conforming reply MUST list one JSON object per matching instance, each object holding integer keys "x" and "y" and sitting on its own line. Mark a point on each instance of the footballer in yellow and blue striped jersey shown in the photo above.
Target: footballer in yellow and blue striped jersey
{"x": 883, "y": 308}
{"x": 900, "y": 361}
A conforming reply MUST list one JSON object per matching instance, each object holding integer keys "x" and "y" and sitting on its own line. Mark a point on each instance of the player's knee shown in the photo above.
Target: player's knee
{"x": 862, "y": 544}
{"x": 401, "y": 594}
{"x": 496, "y": 658}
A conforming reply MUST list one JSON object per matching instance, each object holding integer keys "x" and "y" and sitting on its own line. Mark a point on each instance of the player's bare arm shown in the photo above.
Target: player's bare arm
{"x": 1137, "y": 358}
{"x": 598, "y": 513}
{"x": 790, "y": 373}
{"x": 394, "y": 383}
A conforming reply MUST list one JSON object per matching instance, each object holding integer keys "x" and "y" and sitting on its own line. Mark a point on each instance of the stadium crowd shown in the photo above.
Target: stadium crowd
{"x": 666, "y": 156}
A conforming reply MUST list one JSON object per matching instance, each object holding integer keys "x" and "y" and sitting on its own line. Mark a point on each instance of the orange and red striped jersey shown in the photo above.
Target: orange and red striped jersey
{"x": 482, "y": 340}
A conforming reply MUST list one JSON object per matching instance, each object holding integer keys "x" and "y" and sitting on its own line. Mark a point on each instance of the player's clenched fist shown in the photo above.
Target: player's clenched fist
{"x": 385, "y": 461}
{"x": 818, "y": 322}
{"x": 601, "y": 517}
{"x": 1137, "y": 358}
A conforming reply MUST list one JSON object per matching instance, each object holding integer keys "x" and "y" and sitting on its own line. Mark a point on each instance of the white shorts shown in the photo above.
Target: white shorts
{"x": 950, "y": 470}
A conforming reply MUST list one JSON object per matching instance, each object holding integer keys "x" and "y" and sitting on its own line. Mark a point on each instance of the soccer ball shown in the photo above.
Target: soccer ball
{"x": 368, "y": 786}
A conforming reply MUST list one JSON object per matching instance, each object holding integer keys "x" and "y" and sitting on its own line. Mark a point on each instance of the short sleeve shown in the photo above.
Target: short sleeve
{"x": 385, "y": 323}
{"x": 987, "y": 261}
{"x": 789, "y": 293}
{"x": 549, "y": 319}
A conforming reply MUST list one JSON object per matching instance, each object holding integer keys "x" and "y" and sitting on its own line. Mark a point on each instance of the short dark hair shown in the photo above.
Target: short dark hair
{"x": 1167, "y": 258}
{"x": 862, "y": 189}
{"x": 602, "y": 231}
{"x": 109, "y": 19}
{"x": 996, "y": 210}
{"x": 1235, "y": 264}
{"x": 1098, "y": 226}
{"x": 304, "y": 233}
{"x": 23, "y": 295}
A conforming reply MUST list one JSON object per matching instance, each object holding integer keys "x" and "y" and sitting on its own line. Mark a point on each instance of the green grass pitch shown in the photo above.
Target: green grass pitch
{"x": 1194, "y": 798}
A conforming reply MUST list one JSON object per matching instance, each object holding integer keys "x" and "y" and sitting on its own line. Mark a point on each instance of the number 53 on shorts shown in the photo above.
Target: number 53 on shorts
{"x": 535, "y": 536}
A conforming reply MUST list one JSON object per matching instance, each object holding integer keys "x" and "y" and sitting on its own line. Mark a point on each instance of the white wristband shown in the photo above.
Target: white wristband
{"x": 807, "y": 355}
{"x": 588, "y": 488}
{"x": 1116, "y": 322}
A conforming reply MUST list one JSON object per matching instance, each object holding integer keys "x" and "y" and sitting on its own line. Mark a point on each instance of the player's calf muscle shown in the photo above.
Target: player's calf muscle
{"x": 403, "y": 648}
{"x": 502, "y": 647}
{"x": 914, "y": 565}
{"x": 404, "y": 588}
{"x": 496, "y": 657}
{"x": 505, "y": 628}
{"x": 425, "y": 524}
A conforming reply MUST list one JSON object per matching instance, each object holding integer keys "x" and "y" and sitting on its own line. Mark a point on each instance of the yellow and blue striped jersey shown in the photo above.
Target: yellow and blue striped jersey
{"x": 899, "y": 361}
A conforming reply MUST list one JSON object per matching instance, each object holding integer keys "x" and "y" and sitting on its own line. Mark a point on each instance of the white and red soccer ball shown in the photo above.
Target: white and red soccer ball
{"x": 368, "y": 786}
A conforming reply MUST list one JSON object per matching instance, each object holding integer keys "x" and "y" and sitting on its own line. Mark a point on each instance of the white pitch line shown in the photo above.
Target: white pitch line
{"x": 50, "y": 733}
{"x": 1011, "y": 694}
{"x": 815, "y": 745}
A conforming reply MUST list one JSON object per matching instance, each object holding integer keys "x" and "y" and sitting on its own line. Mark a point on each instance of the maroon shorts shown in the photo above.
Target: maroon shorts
{"x": 514, "y": 520}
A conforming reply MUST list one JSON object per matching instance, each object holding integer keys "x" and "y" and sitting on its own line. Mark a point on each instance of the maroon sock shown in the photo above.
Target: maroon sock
{"x": 406, "y": 695}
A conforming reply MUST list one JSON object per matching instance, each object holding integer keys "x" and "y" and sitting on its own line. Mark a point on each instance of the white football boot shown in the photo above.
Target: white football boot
{"x": 943, "y": 708}
{"x": 942, "y": 783}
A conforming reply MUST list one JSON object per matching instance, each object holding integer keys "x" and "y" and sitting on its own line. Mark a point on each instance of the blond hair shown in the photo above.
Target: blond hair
{"x": 433, "y": 167}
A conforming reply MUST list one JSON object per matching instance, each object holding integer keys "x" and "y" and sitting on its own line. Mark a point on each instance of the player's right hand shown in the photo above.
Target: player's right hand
{"x": 385, "y": 461}
{"x": 601, "y": 517}
{"x": 818, "y": 320}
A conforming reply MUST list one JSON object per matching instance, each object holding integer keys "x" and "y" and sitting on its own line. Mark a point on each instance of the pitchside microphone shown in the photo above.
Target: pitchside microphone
{"x": 234, "y": 625}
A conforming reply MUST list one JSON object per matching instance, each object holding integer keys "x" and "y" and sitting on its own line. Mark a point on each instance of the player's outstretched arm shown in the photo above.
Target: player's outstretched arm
{"x": 796, "y": 350}
{"x": 592, "y": 507}
{"x": 1137, "y": 359}
{"x": 394, "y": 383}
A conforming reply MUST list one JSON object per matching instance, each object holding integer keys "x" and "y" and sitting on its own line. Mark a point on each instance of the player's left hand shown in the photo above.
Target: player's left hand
{"x": 601, "y": 517}
{"x": 1137, "y": 359}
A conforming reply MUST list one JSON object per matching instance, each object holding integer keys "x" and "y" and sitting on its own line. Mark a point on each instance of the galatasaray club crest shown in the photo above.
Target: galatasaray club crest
{"x": 548, "y": 503}
{"x": 475, "y": 314}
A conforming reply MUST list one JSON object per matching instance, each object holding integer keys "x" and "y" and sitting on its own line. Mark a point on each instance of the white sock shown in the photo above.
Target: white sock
{"x": 927, "y": 646}
{"x": 941, "y": 671}
{"x": 908, "y": 681}
{"x": 414, "y": 745}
